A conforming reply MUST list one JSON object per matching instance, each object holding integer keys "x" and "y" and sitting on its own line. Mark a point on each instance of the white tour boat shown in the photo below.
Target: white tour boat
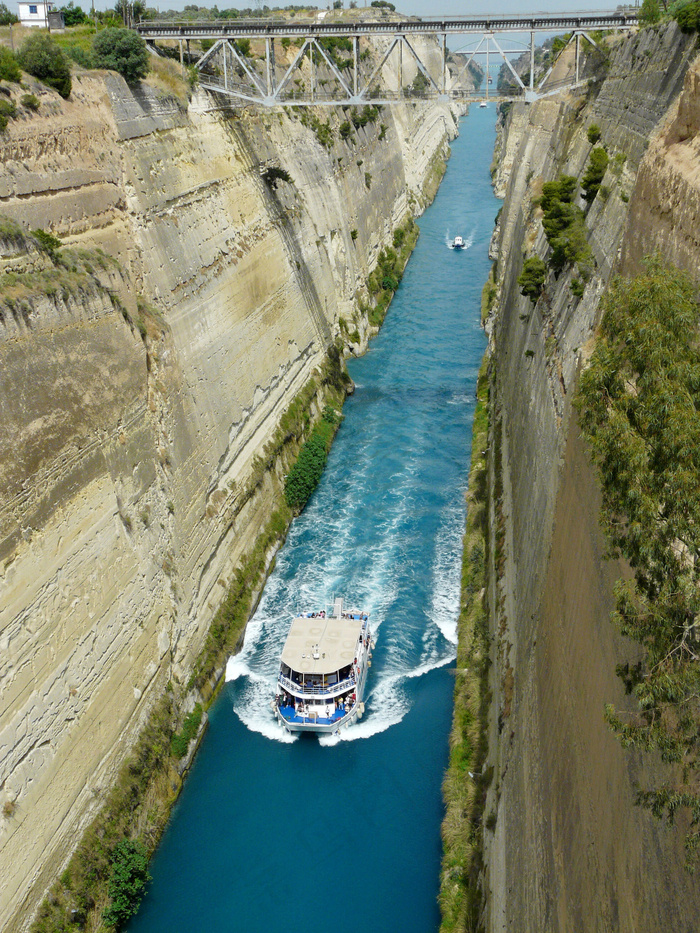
{"x": 323, "y": 670}
{"x": 458, "y": 243}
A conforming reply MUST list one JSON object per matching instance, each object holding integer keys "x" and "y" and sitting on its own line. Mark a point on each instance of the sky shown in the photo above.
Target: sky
{"x": 426, "y": 8}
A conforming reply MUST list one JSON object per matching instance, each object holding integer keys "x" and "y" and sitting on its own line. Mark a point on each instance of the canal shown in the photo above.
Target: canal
{"x": 272, "y": 833}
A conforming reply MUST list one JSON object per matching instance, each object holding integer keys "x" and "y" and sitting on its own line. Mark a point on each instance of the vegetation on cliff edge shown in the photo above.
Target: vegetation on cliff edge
{"x": 639, "y": 407}
{"x": 465, "y": 786}
{"x": 387, "y": 274}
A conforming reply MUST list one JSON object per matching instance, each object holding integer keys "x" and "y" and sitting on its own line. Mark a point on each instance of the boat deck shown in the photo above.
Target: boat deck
{"x": 289, "y": 714}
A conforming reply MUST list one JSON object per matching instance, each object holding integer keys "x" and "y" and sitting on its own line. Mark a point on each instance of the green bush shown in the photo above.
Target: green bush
{"x": 688, "y": 17}
{"x": 8, "y": 109}
{"x": 74, "y": 15}
{"x": 121, "y": 50}
{"x": 128, "y": 881}
{"x": 42, "y": 57}
{"x": 593, "y": 133}
{"x": 273, "y": 174}
{"x": 80, "y": 56}
{"x": 30, "y": 101}
{"x": 649, "y": 12}
{"x": 47, "y": 242}
{"x": 531, "y": 280}
{"x": 180, "y": 741}
{"x": 308, "y": 469}
{"x": 563, "y": 224}
{"x": 594, "y": 174}
{"x": 9, "y": 69}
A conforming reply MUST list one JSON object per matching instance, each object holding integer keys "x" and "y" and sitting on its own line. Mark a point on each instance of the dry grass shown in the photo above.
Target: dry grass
{"x": 166, "y": 76}
{"x": 14, "y": 36}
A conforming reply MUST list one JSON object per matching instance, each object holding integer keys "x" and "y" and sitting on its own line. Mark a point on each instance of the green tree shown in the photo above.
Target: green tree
{"x": 9, "y": 69}
{"x": 127, "y": 883}
{"x": 688, "y": 17}
{"x": 121, "y": 50}
{"x": 531, "y": 280}
{"x": 42, "y": 57}
{"x": 7, "y": 17}
{"x": 74, "y": 15}
{"x": 563, "y": 223}
{"x": 594, "y": 174}
{"x": 649, "y": 12}
{"x": 308, "y": 469}
{"x": 593, "y": 133}
{"x": 639, "y": 407}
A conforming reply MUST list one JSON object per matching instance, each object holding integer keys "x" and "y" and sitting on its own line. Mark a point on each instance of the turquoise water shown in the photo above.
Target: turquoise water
{"x": 273, "y": 833}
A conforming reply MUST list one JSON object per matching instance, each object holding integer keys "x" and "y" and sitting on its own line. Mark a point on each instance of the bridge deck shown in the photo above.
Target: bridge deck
{"x": 255, "y": 29}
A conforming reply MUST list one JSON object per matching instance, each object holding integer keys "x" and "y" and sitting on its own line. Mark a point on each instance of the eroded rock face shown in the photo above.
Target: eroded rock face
{"x": 665, "y": 209}
{"x": 129, "y": 430}
{"x": 569, "y": 850}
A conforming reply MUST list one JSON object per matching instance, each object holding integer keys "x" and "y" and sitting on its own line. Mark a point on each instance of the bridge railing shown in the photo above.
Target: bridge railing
{"x": 253, "y": 29}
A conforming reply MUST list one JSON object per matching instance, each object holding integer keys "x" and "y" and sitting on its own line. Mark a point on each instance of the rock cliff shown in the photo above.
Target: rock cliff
{"x": 566, "y": 849}
{"x": 138, "y": 393}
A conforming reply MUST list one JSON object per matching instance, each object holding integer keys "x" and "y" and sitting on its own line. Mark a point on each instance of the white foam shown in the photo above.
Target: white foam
{"x": 267, "y": 727}
{"x": 385, "y": 707}
{"x": 236, "y": 667}
{"x": 446, "y": 572}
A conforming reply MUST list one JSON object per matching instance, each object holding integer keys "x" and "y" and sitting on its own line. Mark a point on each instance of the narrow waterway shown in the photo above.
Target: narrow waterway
{"x": 274, "y": 834}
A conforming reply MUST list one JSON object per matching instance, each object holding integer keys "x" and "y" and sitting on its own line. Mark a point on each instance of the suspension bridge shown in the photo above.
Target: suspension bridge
{"x": 387, "y": 60}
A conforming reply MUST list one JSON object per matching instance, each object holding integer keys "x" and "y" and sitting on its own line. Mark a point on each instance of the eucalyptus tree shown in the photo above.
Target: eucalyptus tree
{"x": 639, "y": 406}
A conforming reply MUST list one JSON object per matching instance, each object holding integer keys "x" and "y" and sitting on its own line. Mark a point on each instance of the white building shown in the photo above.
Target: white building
{"x": 35, "y": 13}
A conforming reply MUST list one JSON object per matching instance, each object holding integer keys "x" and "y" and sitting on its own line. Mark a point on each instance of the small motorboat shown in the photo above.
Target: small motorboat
{"x": 483, "y": 104}
{"x": 458, "y": 243}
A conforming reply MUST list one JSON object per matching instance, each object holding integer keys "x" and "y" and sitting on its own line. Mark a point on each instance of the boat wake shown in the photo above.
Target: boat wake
{"x": 465, "y": 245}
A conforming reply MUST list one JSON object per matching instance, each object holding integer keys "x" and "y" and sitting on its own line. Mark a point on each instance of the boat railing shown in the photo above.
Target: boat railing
{"x": 310, "y": 690}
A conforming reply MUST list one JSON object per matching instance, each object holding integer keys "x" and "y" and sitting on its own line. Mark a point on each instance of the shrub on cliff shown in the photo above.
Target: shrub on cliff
{"x": 9, "y": 69}
{"x": 594, "y": 174}
{"x": 688, "y": 17}
{"x": 307, "y": 471}
{"x": 121, "y": 50}
{"x": 42, "y": 57}
{"x": 593, "y": 133}
{"x": 531, "y": 280}
{"x": 8, "y": 109}
{"x": 127, "y": 882}
{"x": 180, "y": 741}
{"x": 563, "y": 223}
{"x": 638, "y": 408}
{"x": 649, "y": 12}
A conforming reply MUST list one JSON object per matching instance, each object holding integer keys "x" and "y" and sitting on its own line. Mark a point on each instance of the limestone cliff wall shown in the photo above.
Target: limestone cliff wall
{"x": 129, "y": 428}
{"x": 569, "y": 850}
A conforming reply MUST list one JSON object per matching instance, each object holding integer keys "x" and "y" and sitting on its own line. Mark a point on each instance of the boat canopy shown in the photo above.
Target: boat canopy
{"x": 321, "y": 646}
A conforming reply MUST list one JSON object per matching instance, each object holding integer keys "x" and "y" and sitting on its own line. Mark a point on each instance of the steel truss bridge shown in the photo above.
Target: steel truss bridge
{"x": 318, "y": 76}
